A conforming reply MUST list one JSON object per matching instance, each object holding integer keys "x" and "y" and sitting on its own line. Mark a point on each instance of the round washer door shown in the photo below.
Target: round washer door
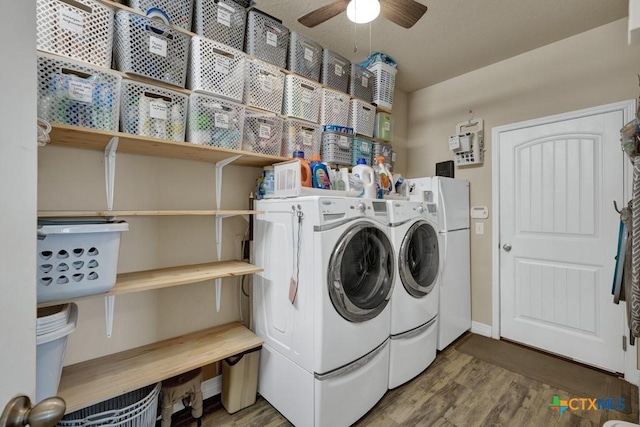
{"x": 419, "y": 259}
{"x": 360, "y": 273}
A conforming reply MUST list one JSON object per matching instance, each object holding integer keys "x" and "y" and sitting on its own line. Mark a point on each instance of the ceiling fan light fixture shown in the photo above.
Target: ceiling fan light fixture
{"x": 363, "y": 11}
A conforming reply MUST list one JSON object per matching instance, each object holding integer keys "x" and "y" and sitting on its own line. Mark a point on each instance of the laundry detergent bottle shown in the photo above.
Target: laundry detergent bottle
{"x": 305, "y": 169}
{"x": 365, "y": 173}
{"x": 384, "y": 176}
{"x": 319, "y": 173}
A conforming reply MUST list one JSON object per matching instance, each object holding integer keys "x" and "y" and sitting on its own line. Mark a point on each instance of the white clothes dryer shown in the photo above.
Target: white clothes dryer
{"x": 414, "y": 302}
{"x": 325, "y": 357}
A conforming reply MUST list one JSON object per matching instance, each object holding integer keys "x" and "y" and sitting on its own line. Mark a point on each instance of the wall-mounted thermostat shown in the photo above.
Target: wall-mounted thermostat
{"x": 479, "y": 212}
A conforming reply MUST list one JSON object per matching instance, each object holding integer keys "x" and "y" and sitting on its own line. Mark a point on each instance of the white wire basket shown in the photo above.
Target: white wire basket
{"x": 336, "y": 148}
{"x": 334, "y": 108}
{"x": 152, "y": 111}
{"x": 77, "y": 93}
{"x": 262, "y": 134}
{"x": 299, "y": 135}
{"x": 361, "y": 83}
{"x": 335, "y": 71}
{"x": 301, "y": 98}
{"x": 267, "y": 38}
{"x": 305, "y": 56}
{"x": 78, "y": 29}
{"x": 362, "y": 118}
{"x": 223, "y": 21}
{"x": 214, "y": 121}
{"x": 385, "y": 83}
{"x": 177, "y": 12}
{"x": 149, "y": 48}
{"x": 216, "y": 69}
{"x": 264, "y": 86}
{"x": 475, "y": 156}
{"x": 76, "y": 259}
{"x": 134, "y": 409}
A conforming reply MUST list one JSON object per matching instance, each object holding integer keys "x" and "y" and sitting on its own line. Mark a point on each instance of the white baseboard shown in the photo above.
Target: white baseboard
{"x": 211, "y": 387}
{"x": 481, "y": 329}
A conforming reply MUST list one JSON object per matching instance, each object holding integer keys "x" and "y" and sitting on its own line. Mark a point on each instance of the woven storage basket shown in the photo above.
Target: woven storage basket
{"x": 150, "y": 49}
{"x": 77, "y": 93}
{"x": 301, "y": 98}
{"x": 216, "y": 69}
{"x": 264, "y": 86}
{"x": 220, "y": 20}
{"x": 262, "y": 134}
{"x": 267, "y": 38}
{"x": 152, "y": 111}
{"x": 299, "y": 135}
{"x": 78, "y": 29}
{"x": 214, "y": 121}
{"x": 305, "y": 56}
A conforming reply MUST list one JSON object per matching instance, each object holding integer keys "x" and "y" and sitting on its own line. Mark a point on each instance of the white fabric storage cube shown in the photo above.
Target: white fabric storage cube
{"x": 78, "y": 29}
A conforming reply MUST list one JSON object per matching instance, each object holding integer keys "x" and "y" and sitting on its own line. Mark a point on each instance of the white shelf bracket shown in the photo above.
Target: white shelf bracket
{"x": 110, "y": 169}
{"x": 219, "y": 167}
{"x": 109, "y": 305}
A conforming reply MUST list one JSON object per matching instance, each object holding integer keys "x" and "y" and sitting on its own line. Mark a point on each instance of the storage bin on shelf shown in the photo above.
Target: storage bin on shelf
{"x": 264, "y": 86}
{"x": 305, "y": 56}
{"x": 262, "y": 133}
{"x": 361, "y": 83}
{"x": 299, "y": 135}
{"x": 152, "y": 111}
{"x": 362, "y": 117}
{"x": 384, "y": 150}
{"x": 362, "y": 149}
{"x": 149, "y": 48}
{"x": 136, "y": 408}
{"x": 334, "y": 108}
{"x": 384, "y": 127}
{"x": 216, "y": 69}
{"x": 54, "y": 325}
{"x": 222, "y": 20}
{"x": 385, "y": 83}
{"x": 337, "y": 142}
{"x": 176, "y": 12}
{"x": 77, "y": 93}
{"x": 301, "y": 98}
{"x": 267, "y": 38}
{"x": 214, "y": 121}
{"x": 78, "y": 29}
{"x": 76, "y": 259}
{"x": 335, "y": 70}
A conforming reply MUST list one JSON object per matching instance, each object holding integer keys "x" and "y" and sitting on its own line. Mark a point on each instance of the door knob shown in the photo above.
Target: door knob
{"x": 506, "y": 247}
{"x": 19, "y": 412}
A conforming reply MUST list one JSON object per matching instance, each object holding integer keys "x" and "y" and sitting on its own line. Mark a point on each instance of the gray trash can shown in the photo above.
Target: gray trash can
{"x": 240, "y": 380}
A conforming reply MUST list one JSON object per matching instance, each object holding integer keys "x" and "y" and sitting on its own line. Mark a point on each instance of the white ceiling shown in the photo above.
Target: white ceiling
{"x": 454, "y": 36}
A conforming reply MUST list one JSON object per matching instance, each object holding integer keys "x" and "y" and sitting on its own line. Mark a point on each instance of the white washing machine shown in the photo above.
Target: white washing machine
{"x": 325, "y": 358}
{"x": 414, "y": 302}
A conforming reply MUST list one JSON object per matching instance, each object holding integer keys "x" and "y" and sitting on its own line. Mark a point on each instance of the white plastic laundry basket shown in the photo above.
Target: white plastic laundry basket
{"x": 50, "y": 355}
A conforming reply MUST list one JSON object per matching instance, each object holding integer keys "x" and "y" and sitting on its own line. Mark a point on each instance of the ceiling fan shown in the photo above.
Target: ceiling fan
{"x": 402, "y": 12}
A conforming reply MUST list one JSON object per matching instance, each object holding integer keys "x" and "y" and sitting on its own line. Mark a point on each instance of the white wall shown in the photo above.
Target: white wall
{"x": 593, "y": 68}
{"x": 18, "y": 199}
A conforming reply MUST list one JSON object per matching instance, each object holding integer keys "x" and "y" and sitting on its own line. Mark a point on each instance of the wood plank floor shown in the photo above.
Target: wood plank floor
{"x": 456, "y": 390}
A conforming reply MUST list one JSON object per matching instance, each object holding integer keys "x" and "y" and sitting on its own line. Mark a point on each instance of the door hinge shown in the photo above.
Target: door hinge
{"x": 624, "y": 343}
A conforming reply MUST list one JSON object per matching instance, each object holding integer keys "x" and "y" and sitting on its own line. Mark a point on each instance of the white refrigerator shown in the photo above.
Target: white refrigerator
{"x": 452, "y": 199}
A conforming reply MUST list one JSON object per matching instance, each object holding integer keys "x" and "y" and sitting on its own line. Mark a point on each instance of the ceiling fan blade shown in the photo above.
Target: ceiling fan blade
{"x": 402, "y": 12}
{"x": 323, "y": 13}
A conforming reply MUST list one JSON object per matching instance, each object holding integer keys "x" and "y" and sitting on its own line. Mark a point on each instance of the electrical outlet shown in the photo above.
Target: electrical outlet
{"x": 479, "y": 227}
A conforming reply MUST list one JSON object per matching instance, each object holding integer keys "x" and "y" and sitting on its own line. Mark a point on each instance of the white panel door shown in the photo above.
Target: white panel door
{"x": 557, "y": 184}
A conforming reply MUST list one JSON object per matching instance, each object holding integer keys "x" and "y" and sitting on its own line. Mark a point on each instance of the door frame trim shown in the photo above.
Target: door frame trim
{"x": 628, "y": 109}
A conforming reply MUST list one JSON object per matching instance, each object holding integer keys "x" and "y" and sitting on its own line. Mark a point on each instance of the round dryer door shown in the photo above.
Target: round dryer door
{"x": 360, "y": 274}
{"x": 419, "y": 259}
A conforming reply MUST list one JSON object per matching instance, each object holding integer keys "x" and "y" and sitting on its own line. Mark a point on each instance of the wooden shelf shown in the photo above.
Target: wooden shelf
{"x": 148, "y": 280}
{"x": 96, "y": 139}
{"x": 72, "y": 214}
{"x": 91, "y": 382}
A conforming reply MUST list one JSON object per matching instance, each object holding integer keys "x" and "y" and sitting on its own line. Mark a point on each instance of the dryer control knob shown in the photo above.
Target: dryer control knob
{"x": 420, "y": 209}
{"x": 361, "y": 207}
